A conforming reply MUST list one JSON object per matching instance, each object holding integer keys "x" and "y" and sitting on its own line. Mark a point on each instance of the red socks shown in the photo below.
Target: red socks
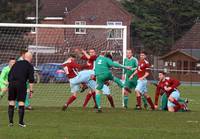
{"x": 94, "y": 98}
{"x": 150, "y": 103}
{"x": 110, "y": 99}
{"x": 176, "y": 102}
{"x": 87, "y": 100}
{"x": 70, "y": 100}
{"x": 178, "y": 105}
{"x": 138, "y": 98}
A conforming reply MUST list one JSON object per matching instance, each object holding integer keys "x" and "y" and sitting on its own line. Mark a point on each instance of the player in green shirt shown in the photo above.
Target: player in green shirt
{"x": 103, "y": 74}
{"x": 4, "y": 77}
{"x": 130, "y": 84}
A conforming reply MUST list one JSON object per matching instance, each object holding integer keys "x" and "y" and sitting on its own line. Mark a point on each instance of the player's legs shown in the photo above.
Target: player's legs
{"x": 100, "y": 83}
{"x": 27, "y": 101}
{"x": 173, "y": 104}
{"x": 71, "y": 99}
{"x": 138, "y": 90}
{"x": 12, "y": 94}
{"x": 98, "y": 100}
{"x": 148, "y": 98}
{"x": 106, "y": 91}
{"x": 126, "y": 92}
{"x": 117, "y": 81}
{"x": 144, "y": 100}
{"x": 90, "y": 94}
{"x": 74, "y": 90}
{"x": 21, "y": 96}
{"x": 141, "y": 89}
{"x": 164, "y": 100}
{"x": 89, "y": 83}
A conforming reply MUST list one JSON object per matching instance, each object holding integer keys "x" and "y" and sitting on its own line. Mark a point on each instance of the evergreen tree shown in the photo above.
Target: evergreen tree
{"x": 159, "y": 23}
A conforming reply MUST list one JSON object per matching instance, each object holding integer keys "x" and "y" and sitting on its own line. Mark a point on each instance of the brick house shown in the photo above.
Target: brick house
{"x": 81, "y": 12}
{"x": 185, "y": 56}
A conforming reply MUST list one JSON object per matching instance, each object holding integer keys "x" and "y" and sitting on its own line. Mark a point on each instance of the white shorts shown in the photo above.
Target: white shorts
{"x": 84, "y": 77}
{"x": 141, "y": 86}
{"x": 176, "y": 95}
{"x": 93, "y": 84}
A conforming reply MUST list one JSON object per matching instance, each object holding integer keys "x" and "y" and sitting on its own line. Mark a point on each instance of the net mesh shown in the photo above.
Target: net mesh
{"x": 51, "y": 46}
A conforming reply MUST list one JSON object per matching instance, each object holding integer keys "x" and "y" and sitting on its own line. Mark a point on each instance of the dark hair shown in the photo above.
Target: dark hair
{"x": 164, "y": 73}
{"x": 22, "y": 52}
{"x": 108, "y": 55}
{"x": 130, "y": 50}
{"x": 72, "y": 55}
{"x": 12, "y": 58}
{"x": 143, "y": 52}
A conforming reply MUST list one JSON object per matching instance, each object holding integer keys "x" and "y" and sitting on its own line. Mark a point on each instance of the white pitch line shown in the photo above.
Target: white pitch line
{"x": 196, "y": 122}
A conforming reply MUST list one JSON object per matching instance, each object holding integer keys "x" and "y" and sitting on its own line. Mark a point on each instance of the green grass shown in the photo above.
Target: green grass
{"x": 47, "y": 121}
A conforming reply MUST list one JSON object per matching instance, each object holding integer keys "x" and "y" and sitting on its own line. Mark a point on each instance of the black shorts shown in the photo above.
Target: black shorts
{"x": 17, "y": 91}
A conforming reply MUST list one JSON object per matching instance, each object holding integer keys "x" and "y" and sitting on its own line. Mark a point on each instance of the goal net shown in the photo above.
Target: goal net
{"x": 51, "y": 44}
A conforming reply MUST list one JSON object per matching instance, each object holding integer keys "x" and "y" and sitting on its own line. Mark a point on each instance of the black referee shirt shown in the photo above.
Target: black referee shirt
{"x": 22, "y": 71}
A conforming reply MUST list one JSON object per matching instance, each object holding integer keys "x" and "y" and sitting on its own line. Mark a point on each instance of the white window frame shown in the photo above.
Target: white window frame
{"x": 116, "y": 36}
{"x": 80, "y": 30}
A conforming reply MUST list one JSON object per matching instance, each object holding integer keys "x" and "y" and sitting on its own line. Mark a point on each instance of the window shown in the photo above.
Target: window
{"x": 33, "y": 30}
{"x": 80, "y": 30}
{"x": 192, "y": 65}
{"x": 179, "y": 65}
{"x": 115, "y": 33}
{"x": 166, "y": 63}
{"x": 174, "y": 64}
{"x": 185, "y": 65}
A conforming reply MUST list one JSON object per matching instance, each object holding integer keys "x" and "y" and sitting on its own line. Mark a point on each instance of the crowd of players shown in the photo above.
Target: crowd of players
{"x": 96, "y": 74}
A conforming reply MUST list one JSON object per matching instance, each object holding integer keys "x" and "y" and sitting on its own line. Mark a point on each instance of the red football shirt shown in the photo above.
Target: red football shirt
{"x": 143, "y": 67}
{"x": 90, "y": 62}
{"x": 168, "y": 82}
{"x": 71, "y": 68}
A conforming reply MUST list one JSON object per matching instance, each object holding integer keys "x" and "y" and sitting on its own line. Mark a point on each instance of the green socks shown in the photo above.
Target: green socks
{"x": 144, "y": 101}
{"x": 126, "y": 101}
{"x": 164, "y": 101}
{"x": 98, "y": 100}
{"x": 27, "y": 101}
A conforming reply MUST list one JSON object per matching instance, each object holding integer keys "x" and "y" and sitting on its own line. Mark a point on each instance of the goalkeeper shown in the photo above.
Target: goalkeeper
{"x": 103, "y": 74}
{"x": 4, "y": 77}
{"x": 130, "y": 83}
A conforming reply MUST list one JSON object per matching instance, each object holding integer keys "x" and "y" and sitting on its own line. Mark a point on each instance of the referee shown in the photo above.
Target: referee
{"x": 20, "y": 73}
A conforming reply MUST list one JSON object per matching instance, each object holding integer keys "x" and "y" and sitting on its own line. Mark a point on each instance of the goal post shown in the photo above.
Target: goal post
{"x": 51, "y": 44}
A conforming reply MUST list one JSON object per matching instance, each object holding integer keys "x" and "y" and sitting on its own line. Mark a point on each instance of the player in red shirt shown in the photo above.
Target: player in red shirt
{"x": 141, "y": 88}
{"x": 169, "y": 86}
{"x": 71, "y": 69}
{"x": 90, "y": 59}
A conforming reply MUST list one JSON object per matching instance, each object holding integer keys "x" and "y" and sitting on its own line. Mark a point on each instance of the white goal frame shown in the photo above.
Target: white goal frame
{"x": 122, "y": 27}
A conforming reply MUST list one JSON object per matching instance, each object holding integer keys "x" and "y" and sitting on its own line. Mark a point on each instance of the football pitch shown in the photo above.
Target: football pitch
{"x": 47, "y": 121}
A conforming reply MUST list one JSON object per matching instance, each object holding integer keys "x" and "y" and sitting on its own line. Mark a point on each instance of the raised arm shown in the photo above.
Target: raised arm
{"x": 85, "y": 55}
{"x": 115, "y": 64}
